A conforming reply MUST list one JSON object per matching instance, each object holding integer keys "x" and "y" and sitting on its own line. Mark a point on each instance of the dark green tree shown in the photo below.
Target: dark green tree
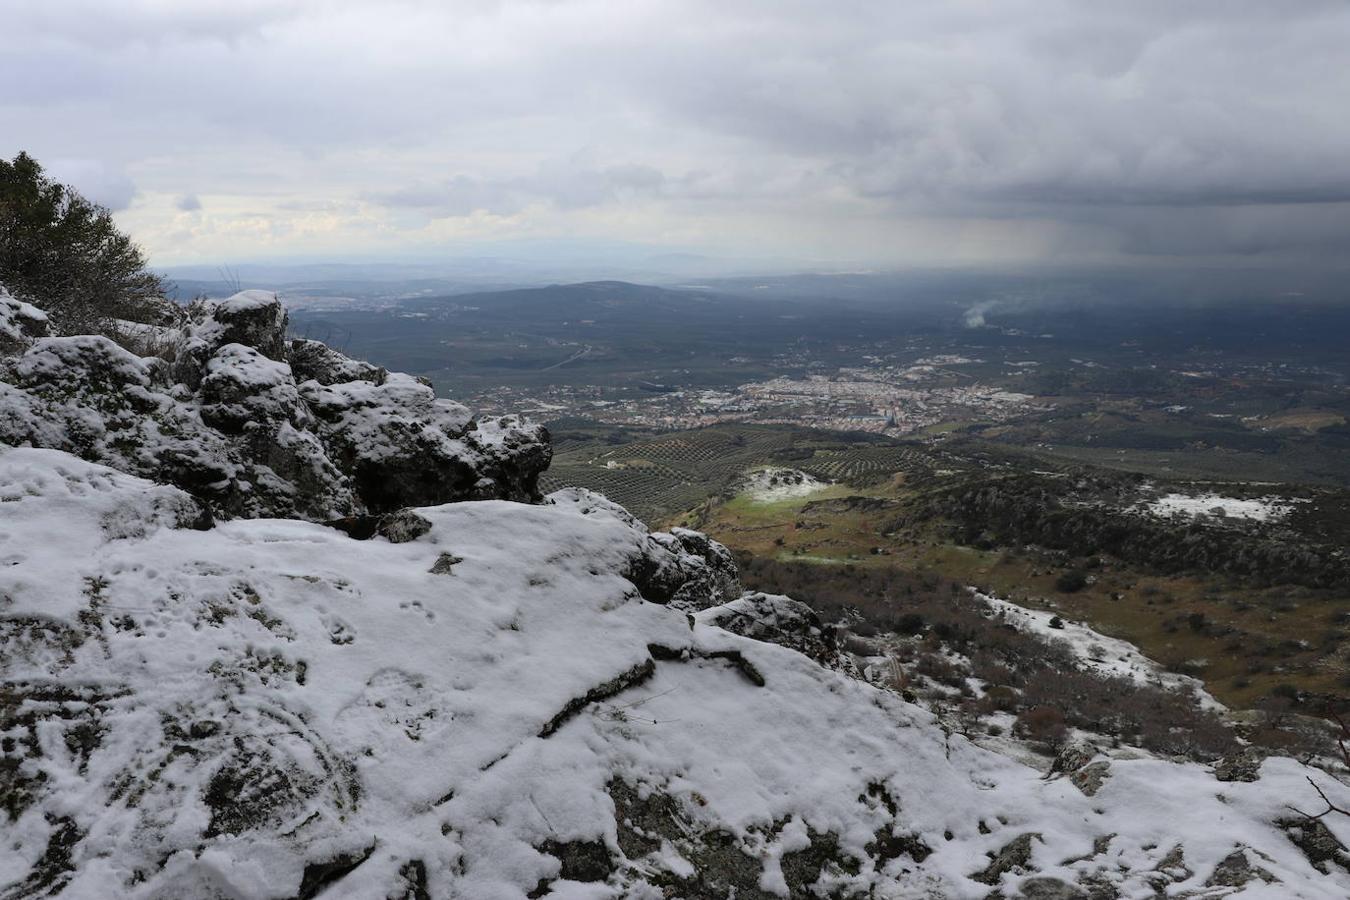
{"x": 64, "y": 254}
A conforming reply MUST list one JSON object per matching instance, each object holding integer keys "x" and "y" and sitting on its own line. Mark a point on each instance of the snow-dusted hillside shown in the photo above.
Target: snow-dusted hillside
{"x": 486, "y": 698}
{"x": 271, "y": 708}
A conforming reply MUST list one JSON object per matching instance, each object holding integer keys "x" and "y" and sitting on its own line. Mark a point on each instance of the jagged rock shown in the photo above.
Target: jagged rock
{"x": 401, "y": 446}
{"x": 1089, "y": 779}
{"x": 84, "y": 366}
{"x": 242, "y": 386}
{"x": 316, "y": 361}
{"x": 1236, "y": 870}
{"x": 402, "y": 526}
{"x": 513, "y": 453}
{"x": 227, "y": 421}
{"x": 779, "y": 620}
{"x": 1075, "y": 760}
{"x": 1171, "y": 868}
{"x": 88, "y": 396}
{"x": 1073, "y": 757}
{"x": 719, "y": 578}
{"x": 695, "y": 573}
{"x": 684, "y": 569}
{"x": 445, "y": 564}
{"x": 1242, "y": 766}
{"x": 255, "y": 319}
{"x": 1014, "y": 856}
{"x": 397, "y": 527}
{"x": 1317, "y": 843}
{"x": 20, "y": 323}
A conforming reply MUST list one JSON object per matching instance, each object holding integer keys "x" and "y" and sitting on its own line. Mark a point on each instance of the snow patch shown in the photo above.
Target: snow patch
{"x": 1195, "y": 505}
{"x": 774, "y": 484}
{"x": 1099, "y": 653}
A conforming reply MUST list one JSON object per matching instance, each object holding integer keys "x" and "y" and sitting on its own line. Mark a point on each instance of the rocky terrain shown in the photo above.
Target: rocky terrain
{"x": 468, "y": 690}
{"x": 253, "y": 424}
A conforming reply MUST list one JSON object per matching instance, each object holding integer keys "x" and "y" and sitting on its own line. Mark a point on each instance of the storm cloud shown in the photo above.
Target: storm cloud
{"x": 858, "y": 132}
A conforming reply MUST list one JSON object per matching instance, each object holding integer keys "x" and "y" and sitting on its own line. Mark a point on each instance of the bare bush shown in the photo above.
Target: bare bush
{"x": 1044, "y": 725}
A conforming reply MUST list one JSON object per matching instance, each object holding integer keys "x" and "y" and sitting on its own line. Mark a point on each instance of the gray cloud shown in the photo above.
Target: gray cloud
{"x": 96, "y": 180}
{"x": 188, "y": 203}
{"x": 1152, "y": 129}
{"x": 569, "y": 184}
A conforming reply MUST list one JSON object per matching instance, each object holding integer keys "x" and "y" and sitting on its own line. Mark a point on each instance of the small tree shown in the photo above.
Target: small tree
{"x": 65, "y": 254}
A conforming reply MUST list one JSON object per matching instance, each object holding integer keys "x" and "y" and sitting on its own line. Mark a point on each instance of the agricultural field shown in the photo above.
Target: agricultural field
{"x": 659, "y": 476}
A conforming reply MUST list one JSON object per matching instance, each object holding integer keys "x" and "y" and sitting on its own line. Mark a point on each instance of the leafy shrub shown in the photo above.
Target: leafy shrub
{"x": 910, "y": 623}
{"x": 1071, "y": 581}
{"x": 65, "y": 254}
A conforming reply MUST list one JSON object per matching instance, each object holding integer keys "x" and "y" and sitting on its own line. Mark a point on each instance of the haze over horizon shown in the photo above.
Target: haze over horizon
{"x": 772, "y": 134}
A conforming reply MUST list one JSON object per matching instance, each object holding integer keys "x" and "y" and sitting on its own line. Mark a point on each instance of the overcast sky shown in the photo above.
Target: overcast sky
{"x": 834, "y": 132}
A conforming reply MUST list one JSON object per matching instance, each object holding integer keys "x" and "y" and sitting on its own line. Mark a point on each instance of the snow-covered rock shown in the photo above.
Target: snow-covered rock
{"x": 242, "y": 385}
{"x": 781, "y": 620}
{"x": 20, "y": 322}
{"x": 682, "y": 568}
{"x": 252, "y": 424}
{"x": 488, "y": 708}
{"x": 316, "y": 361}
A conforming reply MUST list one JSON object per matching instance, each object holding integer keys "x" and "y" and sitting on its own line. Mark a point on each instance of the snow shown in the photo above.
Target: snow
{"x": 369, "y": 416}
{"x": 18, "y": 318}
{"x": 406, "y": 709}
{"x": 246, "y": 301}
{"x": 1259, "y": 510}
{"x": 1097, "y": 652}
{"x": 771, "y": 485}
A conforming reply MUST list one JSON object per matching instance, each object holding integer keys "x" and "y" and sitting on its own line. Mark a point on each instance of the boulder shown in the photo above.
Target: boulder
{"x": 401, "y": 446}
{"x": 1090, "y": 778}
{"x": 704, "y": 569}
{"x": 255, "y": 319}
{"x": 682, "y": 568}
{"x": 1073, "y": 757}
{"x": 779, "y": 620}
{"x": 316, "y": 361}
{"x": 241, "y": 385}
{"x": 20, "y": 323}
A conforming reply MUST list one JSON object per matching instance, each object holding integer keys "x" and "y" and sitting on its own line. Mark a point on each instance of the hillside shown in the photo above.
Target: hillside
{"x": 490, "y": 694}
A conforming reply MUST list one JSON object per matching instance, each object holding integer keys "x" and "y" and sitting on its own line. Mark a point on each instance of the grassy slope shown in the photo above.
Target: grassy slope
{"x": 1242, "y": 625}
